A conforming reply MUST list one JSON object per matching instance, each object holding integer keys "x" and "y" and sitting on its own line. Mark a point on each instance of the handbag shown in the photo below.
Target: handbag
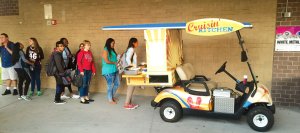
{"x": 77, "y": 79}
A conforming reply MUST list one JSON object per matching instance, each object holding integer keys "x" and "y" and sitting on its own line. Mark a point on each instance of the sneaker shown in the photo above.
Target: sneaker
{"x": 39, "y": 93}
{"x": 20, "y": 98}
{"x": 30, "y": 93}
{"x": 6, "y": 92}
{"x": 26, "y": 98}
{"x": 134, "y": 105}
{"x": 129, "y": 106}
{"x": 84, "y": 102}
{"x": 15, "y": 92}
{"x": 64, "y": 97}
{"x": 60, "y": 102}
{"x": 112, "y": 102}
{"x": 75, "y": 96}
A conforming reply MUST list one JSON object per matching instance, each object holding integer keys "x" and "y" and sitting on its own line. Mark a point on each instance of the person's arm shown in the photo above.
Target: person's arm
{"x": 79, "y": 62}
{"x": 24, "y": 59}
{"x": 129, "y": 55}
{"x": 58, "y": 60}
{"x": 93, "y": 65}
{"x": 105, "y": 57}
{"x": 41, "y": 54}
{"x": 8, "y": 48}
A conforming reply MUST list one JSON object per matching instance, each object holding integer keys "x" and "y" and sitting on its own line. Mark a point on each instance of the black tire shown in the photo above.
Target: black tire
{"x": 174, "y": 109}
{"x": 260, "y": 119}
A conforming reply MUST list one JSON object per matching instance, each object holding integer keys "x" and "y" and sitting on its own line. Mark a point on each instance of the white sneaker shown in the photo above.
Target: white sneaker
{"x": 64, "y": 97}
{"x": 75, "y": 96}
{"x": 26, "y": 98}
{"x": 20, "y": 98}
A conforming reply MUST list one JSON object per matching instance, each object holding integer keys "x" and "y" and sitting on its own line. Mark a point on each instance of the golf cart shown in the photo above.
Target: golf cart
{"x": 180, "y": 88}
{"x": 205, "y": 96}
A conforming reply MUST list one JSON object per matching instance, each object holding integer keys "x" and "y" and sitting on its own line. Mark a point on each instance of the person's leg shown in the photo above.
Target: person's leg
{"x": 130, "y": 90}
{"x": 83, "y": 88}
{"x": 88, "y": 80}
{"x": 38, "y": 81}
{"x": 13, "y": 77}
{"x": 27, "y": 82}
{"x": 109, "y": 82}
{"x": 21, "y": 80}
{"x": 70, "y": 89}
{"x": 32, "y": 84}
{"x": 6, "y": 79}
{"x": 58, "y": 92}
{"x": 116, "y": 84}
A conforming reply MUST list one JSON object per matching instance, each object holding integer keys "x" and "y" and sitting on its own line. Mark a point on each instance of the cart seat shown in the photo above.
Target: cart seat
{"x": 186, "y": 73}
{"x": 201, "y": 87}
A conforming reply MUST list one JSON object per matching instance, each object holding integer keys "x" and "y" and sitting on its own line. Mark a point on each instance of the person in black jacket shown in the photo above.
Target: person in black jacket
{"x": 69, "y": 63}
{"x": 34, "y": 53}
{"x": 60, "y": 65}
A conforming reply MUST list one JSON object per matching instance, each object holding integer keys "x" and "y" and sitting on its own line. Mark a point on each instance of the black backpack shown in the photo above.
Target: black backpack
{"x": 50, "y": 66}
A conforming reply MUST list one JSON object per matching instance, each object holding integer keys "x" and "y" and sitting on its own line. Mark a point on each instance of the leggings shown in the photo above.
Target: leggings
{"x": 23, "y": 78}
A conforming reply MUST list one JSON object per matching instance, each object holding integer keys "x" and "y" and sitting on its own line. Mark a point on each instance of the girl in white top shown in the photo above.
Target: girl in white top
{"x": 131, "y": 60}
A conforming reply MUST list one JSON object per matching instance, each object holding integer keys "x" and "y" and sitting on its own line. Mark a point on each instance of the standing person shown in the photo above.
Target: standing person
{"x": 110, "y": 70}
{"x": 35, "y": 54}
{"x": 86, "y": 68}
{"x": 21, "y": 66}
{"x": 131, "y": 60}
{"x": 8, "y": 72}
{"x": 60, "y": 65}
{"x": 68, "y": 59}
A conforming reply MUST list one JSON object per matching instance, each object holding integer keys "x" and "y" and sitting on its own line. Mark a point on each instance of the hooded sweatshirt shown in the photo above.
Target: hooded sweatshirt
{"x": 85, "y": 61}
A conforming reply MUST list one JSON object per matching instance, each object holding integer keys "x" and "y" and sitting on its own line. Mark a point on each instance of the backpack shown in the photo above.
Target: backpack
{"x": 72, "y": 62}
{"x": 122, "y": 64}
{"x": 50, "y": 66}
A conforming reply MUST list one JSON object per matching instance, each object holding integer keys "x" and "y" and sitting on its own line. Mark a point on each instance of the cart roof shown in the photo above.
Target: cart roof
{"x": 179, "y": 25}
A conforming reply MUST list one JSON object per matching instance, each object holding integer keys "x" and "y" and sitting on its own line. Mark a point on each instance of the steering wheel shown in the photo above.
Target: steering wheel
{"x": 222, "y": 68}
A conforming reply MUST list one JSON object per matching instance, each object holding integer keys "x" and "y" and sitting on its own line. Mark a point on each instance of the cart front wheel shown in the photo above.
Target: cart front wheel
{"x": 260, "y": 119}
{"x": 170, "y": 111}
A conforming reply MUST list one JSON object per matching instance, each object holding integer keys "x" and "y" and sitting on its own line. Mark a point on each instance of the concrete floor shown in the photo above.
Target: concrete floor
{"x": 41, "y": 115}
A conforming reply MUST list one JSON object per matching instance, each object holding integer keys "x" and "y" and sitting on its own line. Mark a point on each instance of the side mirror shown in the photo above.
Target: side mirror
{"x": 244, "y": 57}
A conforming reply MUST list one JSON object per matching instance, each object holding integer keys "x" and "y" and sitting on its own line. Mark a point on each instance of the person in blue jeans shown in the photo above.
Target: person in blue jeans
{"x": 35, "y": 54}
{"x": 110, "y": 70}
{"x": 86, "y": 67}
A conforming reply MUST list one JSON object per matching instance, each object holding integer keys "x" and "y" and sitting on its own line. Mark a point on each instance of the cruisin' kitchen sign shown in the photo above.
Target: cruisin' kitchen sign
{"x": 212, "y": 26}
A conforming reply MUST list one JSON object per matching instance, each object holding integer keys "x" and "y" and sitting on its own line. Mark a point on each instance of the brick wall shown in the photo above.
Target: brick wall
{"x": 286, "y": 66}
{"x": 82, "y": 19}
{"x": 9, "y": 7}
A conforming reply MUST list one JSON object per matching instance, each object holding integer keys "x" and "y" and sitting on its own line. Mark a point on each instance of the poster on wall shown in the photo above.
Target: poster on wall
{"x": 287, "y": 38}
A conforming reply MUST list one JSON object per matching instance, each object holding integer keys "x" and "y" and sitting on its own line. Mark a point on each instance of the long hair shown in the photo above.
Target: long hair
{"x": 35, "y": 44}
{"x": 62, "y": 40}
{"x": 131, "y": 42}
{"x": 108, "y": 46}
{"x": 16, "y": 53}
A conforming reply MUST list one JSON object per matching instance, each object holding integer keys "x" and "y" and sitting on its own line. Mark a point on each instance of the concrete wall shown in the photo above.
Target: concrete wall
{"x": 82, "y": 19}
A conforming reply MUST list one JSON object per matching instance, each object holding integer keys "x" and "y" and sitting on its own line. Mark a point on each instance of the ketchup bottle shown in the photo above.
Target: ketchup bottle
{"x": 245, "y": 79}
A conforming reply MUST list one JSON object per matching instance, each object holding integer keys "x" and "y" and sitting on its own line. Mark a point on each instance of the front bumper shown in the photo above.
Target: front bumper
{"x": 272, "y": 108}
{"x": 154, "y": 104}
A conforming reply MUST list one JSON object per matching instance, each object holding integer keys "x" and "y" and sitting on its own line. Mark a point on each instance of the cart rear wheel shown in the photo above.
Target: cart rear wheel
{"x": 260, "y": 119}
{"x": 170, "y": 111}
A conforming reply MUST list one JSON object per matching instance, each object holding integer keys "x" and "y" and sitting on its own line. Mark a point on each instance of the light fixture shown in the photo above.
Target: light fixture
{"x": 287, "y": 14}
{"x": 48, "y": 11}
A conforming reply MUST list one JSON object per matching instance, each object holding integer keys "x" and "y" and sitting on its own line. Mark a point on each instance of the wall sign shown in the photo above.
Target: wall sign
{"x": 287, "y": 38}
{"x": 212, "y": 26}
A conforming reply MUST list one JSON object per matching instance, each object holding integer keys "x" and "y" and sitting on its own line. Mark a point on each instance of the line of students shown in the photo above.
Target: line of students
{"x": 110, "y": 70}
{"x": 18, "y": 65}
{"x": 85, "y": 67}
{"x": 27, "y": 67}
